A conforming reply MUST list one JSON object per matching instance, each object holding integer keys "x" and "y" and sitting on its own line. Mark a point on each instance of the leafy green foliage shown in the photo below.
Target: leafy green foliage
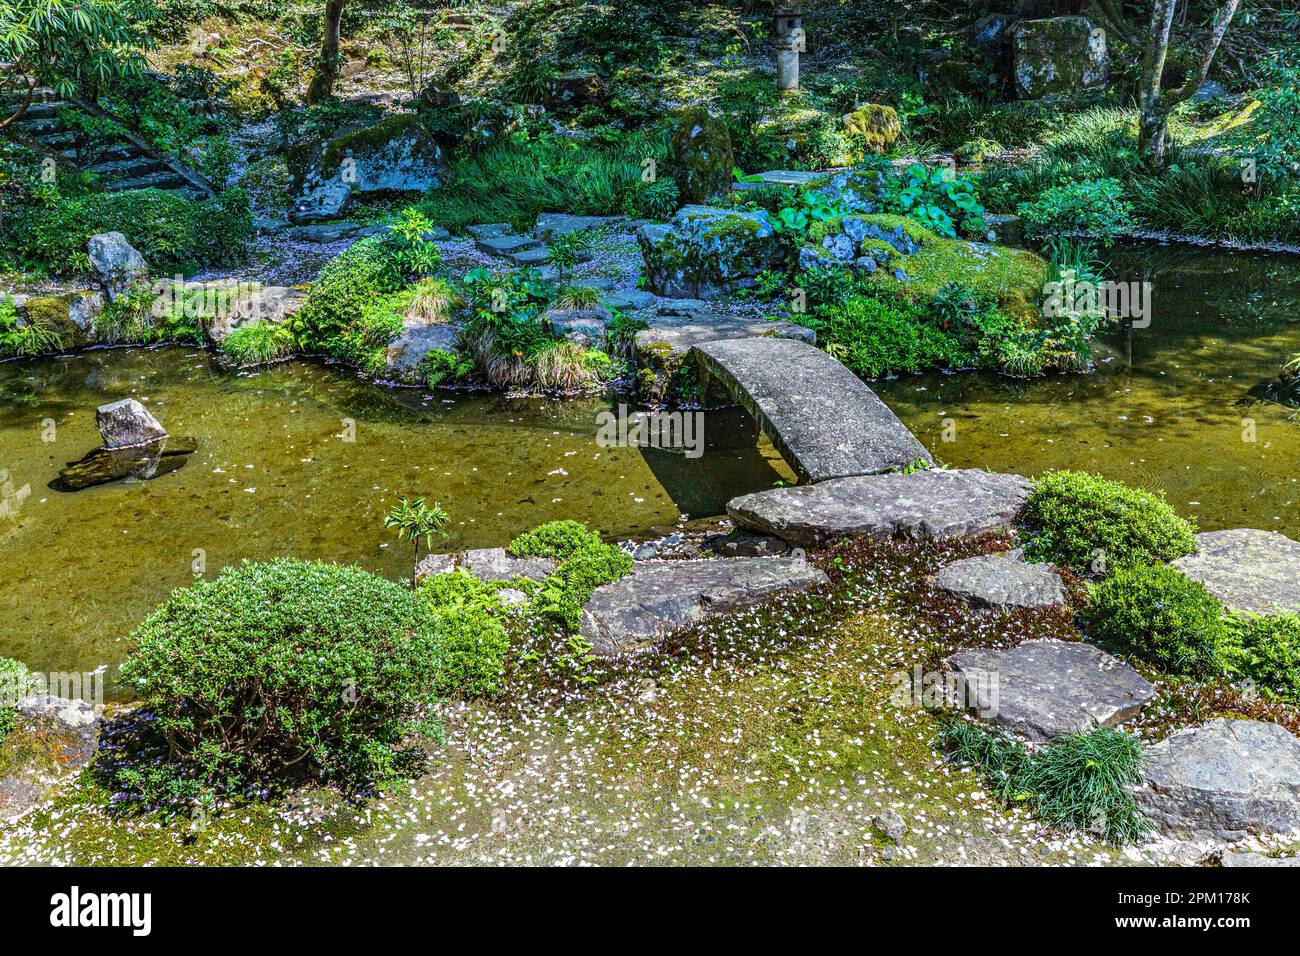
{"x": 1266, "y": 650}
{"x": 170, "y": 231}
{"x": 412, "y": 520}
{"x": 555, "y": 539}
{"x": 1160, "y": 616}
{"x": 14, "y": 682}
{"x": 1096, "y": 207}
{"x": 473, "y": 642}
{"x": 275, "y": 667}
{"x": 876, "y": 337}
{"x": 350, "y": 312}
{"x": 30, "y": 339}
{"x": 413, "y": 250}
{"x": 440, "y": 366}
{"x": 937, "y": 198}
{"x": 585, "y": 564}
{"x": 565, "y": 250}
{"x": 258, "y": 344}
{"x": 1088, "y": 523}
{"x": 1080, "y": 782}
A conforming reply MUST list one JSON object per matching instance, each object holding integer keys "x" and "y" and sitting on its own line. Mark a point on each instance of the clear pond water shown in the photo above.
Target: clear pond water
{"x": 275, "y": 473}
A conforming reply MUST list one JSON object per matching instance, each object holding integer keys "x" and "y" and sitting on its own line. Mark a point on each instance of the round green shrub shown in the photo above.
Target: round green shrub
{"x": 1160, "y": 616}
{"x": 279, "y": 665}
{"x": 467, "y": 616}
{"x": 1088, "y": 523}
{"x": 1266, "y": 649}
{"x": 555, "y": 539}
{"x": 14, "y": 686}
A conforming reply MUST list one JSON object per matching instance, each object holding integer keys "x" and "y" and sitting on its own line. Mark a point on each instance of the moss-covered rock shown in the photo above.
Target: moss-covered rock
{"x": 702, "y": 157}
{"x": 55, "y": 313}
{"x": 874, "y": 125}
{"x": 1060, "y": 56}
{"x": 1011, "y": 278}
{"x": 704, "y": 252}
{"x": 396, "y": 155}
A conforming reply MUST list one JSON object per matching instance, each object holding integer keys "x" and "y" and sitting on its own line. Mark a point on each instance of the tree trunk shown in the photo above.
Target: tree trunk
{"x": 322, "y": 84}
{"x": 1154, "y": 103}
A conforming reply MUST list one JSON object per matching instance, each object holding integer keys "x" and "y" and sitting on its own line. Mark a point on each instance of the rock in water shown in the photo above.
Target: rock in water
{"x": 1043, "y": 689}
{"x": 1225, "y": 779}
{"x": 925, "y": 504}
{"x": 127, "y": 423}
{"x": 117, "y": 264}
{"x": 1251, "y": 570}
{"x": 656, "y": 598}
{"x": 994, "y": 580}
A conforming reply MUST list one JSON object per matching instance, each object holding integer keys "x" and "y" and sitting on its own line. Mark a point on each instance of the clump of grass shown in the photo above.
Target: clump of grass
{"x": 576, "y": 298}
{"x": 432, "y": 301}
{"x": 1077, "y": 782}
{"x": 258, "y": 344}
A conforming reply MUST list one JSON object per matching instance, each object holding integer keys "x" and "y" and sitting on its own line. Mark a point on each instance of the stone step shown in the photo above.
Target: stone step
{"x": 488, "y": 230}
{"x": 504, "y": 245}
{"x": 41, "y": 126}
{"x": 130, "y": 167}
{"x": 529, "y": 257}
{"x": 45, "y": 110}
{"x": 162, "y": 180}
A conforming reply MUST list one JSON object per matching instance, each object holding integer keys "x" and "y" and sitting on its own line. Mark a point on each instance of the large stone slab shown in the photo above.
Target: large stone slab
{"x": 679, "y": 334}
{"x": 1252, "y": 570}
{"x": 998, "y": 581}
{"x": 127, "y": 423}
{"x": 552, "y": 224}
{"x": 1043, "y": 689}
{"x": 658, "y": 597}
{"x": 925, "y": 504}
{"x": 494, "y": 564}
{"x": 706, "y": 252}
{"x": 822, "y": 418}
{"x": 1225, "y": 780}
{"x": 1059, "y": 56}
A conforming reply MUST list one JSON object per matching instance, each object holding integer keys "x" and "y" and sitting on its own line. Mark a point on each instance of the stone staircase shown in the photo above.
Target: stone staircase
{"x": 122, "y": 164}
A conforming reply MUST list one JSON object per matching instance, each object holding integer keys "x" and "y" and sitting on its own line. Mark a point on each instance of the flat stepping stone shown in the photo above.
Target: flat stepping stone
{"x": 534, "y": 256}
{"x": 682, "y": 333}
{"x": 1043, "y": 689}
{"x": 504, "y": 245}
{"x": 791, "y": 178}
{"x": 630, "y": 300}
{"x": 1239, "y": 858}
{"x": 1224, "y": 780}
{"x": 823, "y": 419}
{"x": 552, "y": 224}
{"x": 683, "y": 307}
{"x": 1250, "y": 570}
{"x": 923, "y": 505}
{"x": 997, "y": 581}
{"x": 656, "y": 598}
{"x": 489, "y": 230}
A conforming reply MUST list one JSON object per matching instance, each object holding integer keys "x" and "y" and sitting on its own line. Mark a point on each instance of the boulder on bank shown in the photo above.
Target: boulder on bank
{"x": 52, "y": 738}
{"x": 658, "y": 597}
{"x": 1247, "y": 569}
{"x": 1060, "y": 56}
{"x": 576, "y": 89}
{"x": 1043, "y": 689}
{"x": 486, "y": 564}
{"x": 925, "y": 504}
{"x": 875, "y": 125}
{"x": 407, "y": 352}
{"x": 127, "y": 423}
{"x": 116, "y": 263}
{"x": 702, "y": 158}
{"x": 1224, "y": 780}
{"x": 705, "y": 252}
{"x": 396, "y": 155}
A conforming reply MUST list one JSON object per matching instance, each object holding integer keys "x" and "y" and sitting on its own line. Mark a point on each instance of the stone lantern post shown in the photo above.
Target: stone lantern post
{"x": 788, "y": 41}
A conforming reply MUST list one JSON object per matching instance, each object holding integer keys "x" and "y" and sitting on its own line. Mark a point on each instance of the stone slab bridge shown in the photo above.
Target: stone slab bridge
{"x": 820, "y": 416}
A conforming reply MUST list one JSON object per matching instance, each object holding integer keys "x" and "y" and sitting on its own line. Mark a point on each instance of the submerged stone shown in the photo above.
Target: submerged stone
{"x": 141, "y": 462}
